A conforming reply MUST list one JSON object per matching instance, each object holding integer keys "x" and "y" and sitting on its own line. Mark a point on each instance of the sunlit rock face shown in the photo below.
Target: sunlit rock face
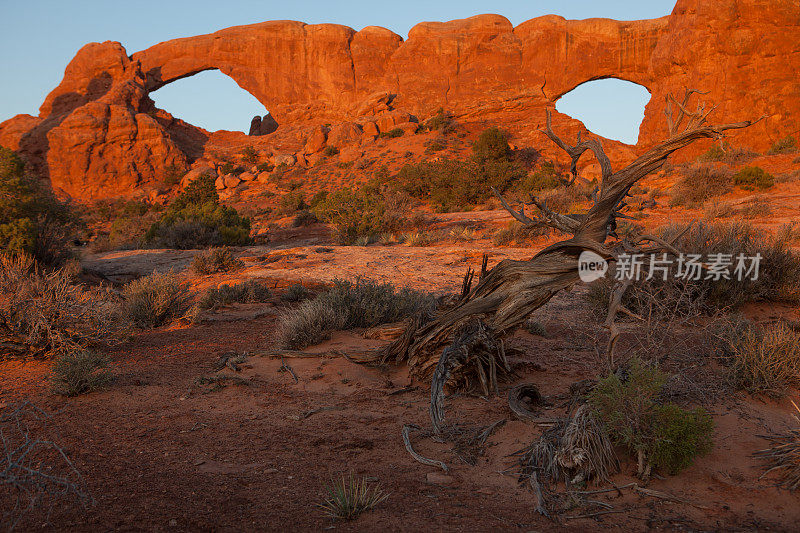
{"x": 98, "y": 133}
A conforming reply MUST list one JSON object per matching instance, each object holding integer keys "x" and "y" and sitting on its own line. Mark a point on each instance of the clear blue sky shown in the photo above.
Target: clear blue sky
{"x": 39, "y": 37}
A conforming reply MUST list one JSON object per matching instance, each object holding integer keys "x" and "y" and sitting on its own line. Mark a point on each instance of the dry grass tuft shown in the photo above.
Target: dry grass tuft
{"x": 783, "y": 457}
{"x": 156, "y": 300}
{"x": 80, "y": 372}
{"x": 348, "y": 497}
{"x": 346, "y": 305}
{"x": 764, "y": 360}
{"x": 216, "y": 260}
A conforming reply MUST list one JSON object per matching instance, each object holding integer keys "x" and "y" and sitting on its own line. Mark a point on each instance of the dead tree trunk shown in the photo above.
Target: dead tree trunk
{"x": 513, "y": 289}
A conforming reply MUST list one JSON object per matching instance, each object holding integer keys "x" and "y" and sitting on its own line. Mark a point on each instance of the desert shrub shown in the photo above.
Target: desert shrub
{"x": 763, "y": 360}
{"x": 701, "y": 183}
{"x": 778, "y": 278}
{"x": 364, "y": 212}
{"x": 216, "y": 260}
{"x": 292, "y": 202}
{"x": 535, "y": 328}
{"x": 79, "y": 372}
{"x": 516, "y": 233}
{"x": 491, "y": 144}
{"x": 196, "y": 219}
{"x": 330, "y": 151}
{"x": 250, "y": 291}
{"x": 538, "y": 181}
{"x": 295, "y": 293}
{"x": 435, "y": 145}
{"x": 173, "y": 174}
{"x": 717, "y": 209}
{"x": 360, "y": 304}
{"x": 304, "y": 217}
{"x": 230, "y": 168}
{"x": 757, "y": 207}
{"x": 787, "y": 145}
{"x": 249, "y": 155}
{"x": 45, "y": 313}
{"x": 442, "y": 121}
{"x": 664, "y": 435}
{"x": 752, "y": 178}
{"x": 727, "y": 154}
{"x": 317, "y": 199}
{"x": 347, "y": 498}
{"x": 155, "y": 300}
{"x": 392, "y": 133}
{"x": 265, "y": 167}
{"x": 452, "y": 185}
{"x": 32, "y": 220}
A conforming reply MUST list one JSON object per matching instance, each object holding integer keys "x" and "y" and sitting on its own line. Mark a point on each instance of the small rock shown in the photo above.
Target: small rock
{"x": 263, "y": 177}
{"x": 247, "y": 176}
{"x": 219, "y": 183}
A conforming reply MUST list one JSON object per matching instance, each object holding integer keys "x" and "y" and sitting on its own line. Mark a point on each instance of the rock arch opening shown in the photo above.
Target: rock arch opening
{"x": 212, "y": 101}
{"x": 610, "y": 107}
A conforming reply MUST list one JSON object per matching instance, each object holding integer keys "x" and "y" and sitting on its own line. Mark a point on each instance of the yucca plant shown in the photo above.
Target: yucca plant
{"x": 348, "y": 497}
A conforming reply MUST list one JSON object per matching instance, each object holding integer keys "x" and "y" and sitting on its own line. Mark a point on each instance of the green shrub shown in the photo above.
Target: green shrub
{"x": 452, "y": 185}
{"x": 348, "y": 305}
{"x": 230, "y": 168}
{"x": 442, "y": 121}
{"x": 664, "y": 435}
{"x": 292, "y": 202}
{"x": 392, "y": 133}
{"x": 330, "y": 151}
{"x": 368, "y": 211}
{"x": 250, "y": 291}
{"x": 787, "y": 145}
{"x": 196, "y": 219}
{"x": 752, "y": 178}
{"x": 32, "y": 220}
{"x": 265, "y": 167}
{"x": 79, "y": 372}
{"x": 701, "y": 183}
{"x": 173, "y": 174}
{"x": 216, "y": 260}
{"x": 492, "y": 144}
{"x": 727, "y": 154}
{"x": 155, "y": 300}
{"x": 764, "y": 360}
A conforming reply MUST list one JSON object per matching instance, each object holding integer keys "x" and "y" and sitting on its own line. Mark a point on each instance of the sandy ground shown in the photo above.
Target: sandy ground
{"x": 161, "y": 451}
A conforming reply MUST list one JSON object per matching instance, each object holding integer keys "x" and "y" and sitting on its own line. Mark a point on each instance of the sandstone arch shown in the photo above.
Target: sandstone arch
{"x": 482, "y": 69}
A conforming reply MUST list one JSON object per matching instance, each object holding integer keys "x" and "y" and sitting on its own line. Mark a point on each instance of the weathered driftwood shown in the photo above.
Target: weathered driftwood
{"x": 509, "y": 292}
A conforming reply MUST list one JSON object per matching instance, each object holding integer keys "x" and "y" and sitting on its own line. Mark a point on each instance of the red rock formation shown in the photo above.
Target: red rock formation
{"x": 98, "y": 133}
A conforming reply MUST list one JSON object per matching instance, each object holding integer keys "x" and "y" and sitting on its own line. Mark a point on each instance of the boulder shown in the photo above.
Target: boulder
{"x": 284, "y": 159}
{"x": 344, "y": 133}
{"x": 255, "y": 126}
{"x": 247, "y": 176}
{"x": 350, "y": 153}
{"x": 220, "y": 183}
{"x": 231, "y": 181}
{"x": 316, "y": 140}
{"x": 263, "y": 177}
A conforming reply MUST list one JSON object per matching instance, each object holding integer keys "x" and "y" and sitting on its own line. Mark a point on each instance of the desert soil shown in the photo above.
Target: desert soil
{"x": 159, "y": 450}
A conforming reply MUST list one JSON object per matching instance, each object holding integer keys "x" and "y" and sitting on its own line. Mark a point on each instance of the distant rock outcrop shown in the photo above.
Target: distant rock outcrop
{"x": 99, "y": 134}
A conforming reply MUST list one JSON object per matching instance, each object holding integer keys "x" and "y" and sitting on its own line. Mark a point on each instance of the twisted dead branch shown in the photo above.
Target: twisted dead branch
{"x": 510, "y": 291}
